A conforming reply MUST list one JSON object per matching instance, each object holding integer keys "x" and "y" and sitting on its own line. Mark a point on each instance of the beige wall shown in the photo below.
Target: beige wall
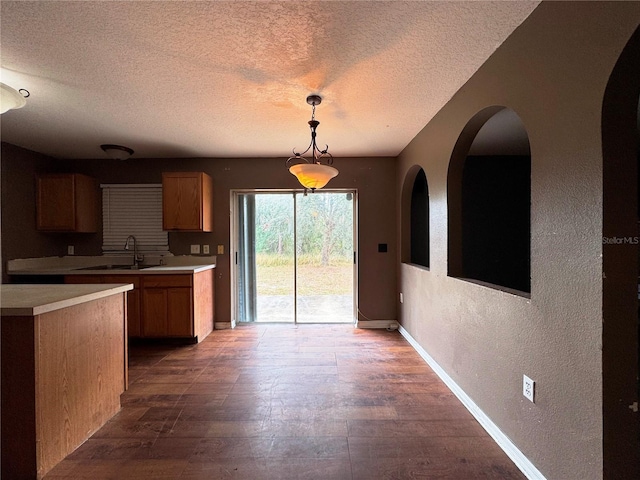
{"x": 374, "y": 178}
{"x": 552, "y": 72}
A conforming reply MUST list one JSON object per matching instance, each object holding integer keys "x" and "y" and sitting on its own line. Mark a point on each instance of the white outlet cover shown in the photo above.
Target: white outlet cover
{"x": 528, "y": 388}
{"x": 205, "y": 249}
{"x": 195, "y": 248}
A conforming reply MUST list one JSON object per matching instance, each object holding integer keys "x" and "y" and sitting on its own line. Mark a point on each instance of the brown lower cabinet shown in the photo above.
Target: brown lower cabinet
{"x": 167, "y": 304}
{"x": 164, "y": 305}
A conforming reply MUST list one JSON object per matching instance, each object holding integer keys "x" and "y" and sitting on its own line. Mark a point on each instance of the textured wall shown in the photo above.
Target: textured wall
{"x": 19, "y": 207}
{"x": 552, "y": 72}
{"x": 374, "y": 178}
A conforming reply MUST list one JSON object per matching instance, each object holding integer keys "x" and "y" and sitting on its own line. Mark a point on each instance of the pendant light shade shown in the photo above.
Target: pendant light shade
{"x": 313, "y": 175}
{"x": 311, "y": 172}
{"x": 10, "y": 98}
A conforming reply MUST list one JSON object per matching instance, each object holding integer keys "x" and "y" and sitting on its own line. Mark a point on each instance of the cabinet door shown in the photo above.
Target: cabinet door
{"x": 186, "y": 201}
{"x": 67, "y": 203}
{"x": 154, "y": 308}
{"x": 180, "y": 312}
{"x": 180, "y": 203}
{"x": 87, "y": 204}
{"x": 56, "y": 203}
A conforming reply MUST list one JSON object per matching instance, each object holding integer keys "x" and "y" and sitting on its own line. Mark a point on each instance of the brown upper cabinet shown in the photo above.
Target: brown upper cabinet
{"x": 187, "y": 199}
{"x": 67, "y": 203}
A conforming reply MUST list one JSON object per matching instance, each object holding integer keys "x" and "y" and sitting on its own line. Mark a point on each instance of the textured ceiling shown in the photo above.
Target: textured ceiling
{"x": 229, "y": 79}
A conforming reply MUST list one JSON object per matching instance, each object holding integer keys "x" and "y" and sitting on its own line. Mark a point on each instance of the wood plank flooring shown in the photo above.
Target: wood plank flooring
{"x": 283, "y": 402}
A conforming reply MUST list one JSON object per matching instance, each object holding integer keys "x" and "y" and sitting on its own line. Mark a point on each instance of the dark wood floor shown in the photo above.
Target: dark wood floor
{"x": 285, "y": 402}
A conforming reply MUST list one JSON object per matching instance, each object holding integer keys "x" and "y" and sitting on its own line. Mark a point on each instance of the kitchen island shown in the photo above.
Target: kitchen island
{"x": 64, "y": 367}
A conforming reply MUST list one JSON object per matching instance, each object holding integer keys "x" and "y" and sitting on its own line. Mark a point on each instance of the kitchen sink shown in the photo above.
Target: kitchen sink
{"x": 112, "y": 267}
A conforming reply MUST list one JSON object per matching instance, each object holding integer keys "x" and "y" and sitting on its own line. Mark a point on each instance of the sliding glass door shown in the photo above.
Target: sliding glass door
{"x": 295, "y": 257}
{"x": 324, "y": 258}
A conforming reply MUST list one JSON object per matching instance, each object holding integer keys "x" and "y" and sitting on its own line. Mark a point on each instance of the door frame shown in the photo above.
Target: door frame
{"x": 234, "y": 240}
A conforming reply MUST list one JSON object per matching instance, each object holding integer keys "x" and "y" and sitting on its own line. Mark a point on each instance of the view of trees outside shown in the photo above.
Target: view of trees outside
{"x": 324, "y": 243}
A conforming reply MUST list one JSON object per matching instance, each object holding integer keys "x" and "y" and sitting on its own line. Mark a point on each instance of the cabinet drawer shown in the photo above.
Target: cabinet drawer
{"x": 167, "y": 281}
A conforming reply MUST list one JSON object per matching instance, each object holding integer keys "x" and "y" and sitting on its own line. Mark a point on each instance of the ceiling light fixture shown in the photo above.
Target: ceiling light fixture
{"x": 10, "y": 98}
{"x": 117, "y": 152}
{"x": 311, "y": 172}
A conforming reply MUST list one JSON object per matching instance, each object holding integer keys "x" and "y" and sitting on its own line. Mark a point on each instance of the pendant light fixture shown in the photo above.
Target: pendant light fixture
{"x": 310, "y": 171}
{"x": 11, "y": 99}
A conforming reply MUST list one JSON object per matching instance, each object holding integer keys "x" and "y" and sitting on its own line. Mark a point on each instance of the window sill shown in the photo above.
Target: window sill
{"x": 493, "y": 286}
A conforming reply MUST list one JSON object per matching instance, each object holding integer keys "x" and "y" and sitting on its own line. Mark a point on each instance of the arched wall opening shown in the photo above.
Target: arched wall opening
{"x": 489, "y": 202}
{"x": 620, "y": 250}
{"x": 415, "y": 218}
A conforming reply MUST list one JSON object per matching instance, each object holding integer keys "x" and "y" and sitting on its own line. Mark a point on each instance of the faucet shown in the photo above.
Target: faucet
{"x": 136, "y": 258}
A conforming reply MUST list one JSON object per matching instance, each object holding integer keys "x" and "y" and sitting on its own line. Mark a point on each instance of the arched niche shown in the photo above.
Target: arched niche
{"x": 620, "y": 234}
{"x": 489, "y": 202}
{"x": 415, "y": 218}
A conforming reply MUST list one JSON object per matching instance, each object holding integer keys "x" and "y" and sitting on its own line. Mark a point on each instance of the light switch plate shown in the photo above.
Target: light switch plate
{"x": 195, "y": 248}
{"x": 220, "y": 249}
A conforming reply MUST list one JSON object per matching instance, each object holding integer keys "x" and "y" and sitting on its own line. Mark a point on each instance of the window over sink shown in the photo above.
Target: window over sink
{"x": 133, "y": 209}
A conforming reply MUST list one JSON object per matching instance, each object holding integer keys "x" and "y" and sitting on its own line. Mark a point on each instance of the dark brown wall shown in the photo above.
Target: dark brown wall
{"x": 374, "y": 178}
{"x": 19, "y": 235}
{"x": 621, "y": 141}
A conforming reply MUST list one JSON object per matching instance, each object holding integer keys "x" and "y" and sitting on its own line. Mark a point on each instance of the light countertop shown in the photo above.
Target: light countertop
{"x": 107, "y": 265}
{"x": 31, "y": 300}
{"x": 164, "y": 269}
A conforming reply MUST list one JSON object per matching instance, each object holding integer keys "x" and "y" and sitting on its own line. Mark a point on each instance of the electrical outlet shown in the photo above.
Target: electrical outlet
{"x": 71, "y": 250}
{"x": 205, "y": 249}
{"x": 220, "y": 249}
{"x": 195, "y": 248}
{"x": 401, "y": 298}
{"x": 528, "y": 388}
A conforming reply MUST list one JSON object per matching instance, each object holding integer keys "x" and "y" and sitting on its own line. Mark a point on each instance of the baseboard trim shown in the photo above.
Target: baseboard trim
{"x": 522, "y": 462}
{"x": 224, "y": 325}
{"x": 390, "y": 324}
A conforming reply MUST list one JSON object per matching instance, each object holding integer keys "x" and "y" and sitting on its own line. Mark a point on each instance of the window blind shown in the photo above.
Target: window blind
{"x": 133, "y": 209}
